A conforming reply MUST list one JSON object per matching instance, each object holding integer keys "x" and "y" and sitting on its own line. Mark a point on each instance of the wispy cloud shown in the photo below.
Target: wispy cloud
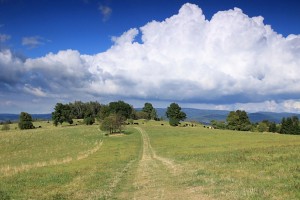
{"x": 4, "y": 37}
{"x": 106, "y": 12}
{"x": 33, "y": 41}
{"x": 36, "y": 91}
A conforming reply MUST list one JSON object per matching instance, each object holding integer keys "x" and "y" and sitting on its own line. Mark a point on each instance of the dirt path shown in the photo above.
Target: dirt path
{"x": 160, "y": 178}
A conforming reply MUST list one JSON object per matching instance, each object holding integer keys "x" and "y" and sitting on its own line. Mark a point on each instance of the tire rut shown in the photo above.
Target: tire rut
{"x": 158, "y": 177}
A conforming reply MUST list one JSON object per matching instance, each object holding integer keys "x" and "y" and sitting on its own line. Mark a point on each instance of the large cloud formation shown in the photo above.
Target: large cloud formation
{"x": 231, "y": 59}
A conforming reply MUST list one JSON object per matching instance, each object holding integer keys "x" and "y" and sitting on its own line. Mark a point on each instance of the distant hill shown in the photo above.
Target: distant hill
{"x": 15, "y": 117}
{"x": 205, "y": 116}
{"x": 200, "y": 115}
{"x": 271, "y": 116}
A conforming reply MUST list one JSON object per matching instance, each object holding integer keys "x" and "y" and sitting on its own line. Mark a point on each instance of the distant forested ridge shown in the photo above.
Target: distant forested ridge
{"x": 15, "y": 117}
{"x": 206, "y": 116}
{"x": 193, "y": 114}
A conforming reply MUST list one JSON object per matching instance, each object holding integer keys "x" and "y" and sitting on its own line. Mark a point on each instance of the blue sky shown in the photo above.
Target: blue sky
{"x": 81, "y": 25}
{"x": 61, "y": 51}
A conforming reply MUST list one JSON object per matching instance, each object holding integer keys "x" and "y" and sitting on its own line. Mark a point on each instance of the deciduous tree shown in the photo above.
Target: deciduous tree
{"x": 175, "y": 114}
{"x": 151, "y": 112}
{"x": 62, "y": 113}
{"x": 238, "y": 120}
{"x": 113, "y": 123}
{"x": 121, "y": 108}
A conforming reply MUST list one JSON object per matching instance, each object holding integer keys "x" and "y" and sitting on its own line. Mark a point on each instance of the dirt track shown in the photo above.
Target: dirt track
{"x": 160, "y": 178}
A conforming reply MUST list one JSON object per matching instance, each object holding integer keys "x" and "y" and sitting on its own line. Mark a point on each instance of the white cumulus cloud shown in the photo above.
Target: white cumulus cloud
{"x": 189, "y": 58}
{"x": 228, "y": 61}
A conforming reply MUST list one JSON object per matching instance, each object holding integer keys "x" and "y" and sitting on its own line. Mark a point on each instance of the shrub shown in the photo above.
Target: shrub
{"x": 25, "y": 121}
{"x": 89, "y": 120}
{"x": 5, "y": 127}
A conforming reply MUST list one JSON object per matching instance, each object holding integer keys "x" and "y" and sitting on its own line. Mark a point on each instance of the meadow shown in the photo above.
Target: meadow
{"x": 148, "y": 161}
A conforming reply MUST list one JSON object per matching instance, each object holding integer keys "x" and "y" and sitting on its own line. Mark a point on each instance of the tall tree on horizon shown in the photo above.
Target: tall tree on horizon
{"x": 175, "y": 114}
{"x": 150, "y": 110}
{"x": 238, "y": 120}
{"x": 62, "y": 113}
{"x": 121, "y": 108}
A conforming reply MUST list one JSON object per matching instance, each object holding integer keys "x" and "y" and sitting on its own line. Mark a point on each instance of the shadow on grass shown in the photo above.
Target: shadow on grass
{"x": 4, "y": 195}
{"x": 59, "y": 197}
{"x": 127, "y": 132}
{"x": 123, "y": 132}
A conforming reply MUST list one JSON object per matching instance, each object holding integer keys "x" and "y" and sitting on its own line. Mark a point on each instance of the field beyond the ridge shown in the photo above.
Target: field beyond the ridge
{"x": 149, "y": 161}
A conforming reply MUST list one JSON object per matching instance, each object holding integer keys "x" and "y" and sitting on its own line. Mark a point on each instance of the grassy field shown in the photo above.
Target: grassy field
{"x": 149, "y": 161}
{"x": 233, "y": 165}
{"x": 75, "y": 162}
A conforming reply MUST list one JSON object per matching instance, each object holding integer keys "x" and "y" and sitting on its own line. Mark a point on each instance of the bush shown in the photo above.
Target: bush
{"x": 5, "y": 127}
{"x": 25, "y": 121}
{"x": 89, "y": 120}
{"x": 26, "y": 125}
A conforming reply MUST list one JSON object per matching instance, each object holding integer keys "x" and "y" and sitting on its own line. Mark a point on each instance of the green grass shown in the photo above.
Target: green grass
{"x": 47, "y": 144}
{"x": 95, "y": 176}
{"x": 233, "y": 165}
{"x": 79, "y": 162}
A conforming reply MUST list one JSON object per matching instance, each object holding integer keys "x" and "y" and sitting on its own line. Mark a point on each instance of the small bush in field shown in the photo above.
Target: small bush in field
{"x": 5, "y": 127}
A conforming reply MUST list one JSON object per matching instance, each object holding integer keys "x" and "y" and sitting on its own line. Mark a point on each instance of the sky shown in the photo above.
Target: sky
{"x": 209, "y": 54}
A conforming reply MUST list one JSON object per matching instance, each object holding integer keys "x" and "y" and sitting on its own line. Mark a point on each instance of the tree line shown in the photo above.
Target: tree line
{"x": 112, "y": 116}
{"x": 93, "y": 110}
{"x": 239, "y": 120}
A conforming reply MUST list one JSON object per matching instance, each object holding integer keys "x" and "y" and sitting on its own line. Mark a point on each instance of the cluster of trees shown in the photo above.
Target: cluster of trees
{"x": 89, "y": 111}
{"x": 93, "y": 110}
{"x": 290, "y": 125}
{"x": 147, "y": 112}
{"x": 112, "y": 115}
{"x": 266, "y": 126}
{"x": 239, "y": 120}
{"x": 236, "y": 120}
{"x": 77, "y": 110}
{"x": 62, "y": 114}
